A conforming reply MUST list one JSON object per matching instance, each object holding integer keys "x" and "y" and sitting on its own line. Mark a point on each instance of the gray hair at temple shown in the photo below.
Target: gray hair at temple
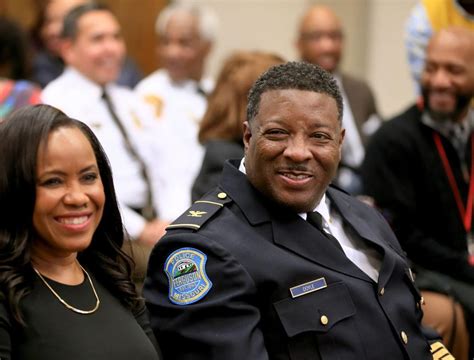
{"x": 207, "y": 19}
{"x": 294, "y": 75}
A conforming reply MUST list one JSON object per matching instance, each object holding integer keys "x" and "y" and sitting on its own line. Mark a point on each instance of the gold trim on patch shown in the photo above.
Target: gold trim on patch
{"x": 192, "y": 226}
{"x": 208, "y": 202}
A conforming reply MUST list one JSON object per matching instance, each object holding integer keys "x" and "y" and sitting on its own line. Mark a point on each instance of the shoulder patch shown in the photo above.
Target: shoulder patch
{"x": 201, "y": 211}
{"x": 187, "y": 278}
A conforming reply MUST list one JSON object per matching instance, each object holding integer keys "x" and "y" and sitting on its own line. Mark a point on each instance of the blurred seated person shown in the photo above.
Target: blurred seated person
{"x": 428, "y": 17}
{"x": 93, "y": 49}
{"x": 221, "y": 129}
{"x": 419, "y": 169}
{"x": 321, "y": 42}
{"x": 65, "y": 284}
{"x": 15, "y": 90}
{"x": 47, "y": 63}
{"x": 177, "y": 95}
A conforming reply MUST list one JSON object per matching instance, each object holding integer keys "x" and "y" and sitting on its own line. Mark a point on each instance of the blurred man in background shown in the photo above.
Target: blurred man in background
{"x": 320, "y": 41}
{"x": 177, "y": 94}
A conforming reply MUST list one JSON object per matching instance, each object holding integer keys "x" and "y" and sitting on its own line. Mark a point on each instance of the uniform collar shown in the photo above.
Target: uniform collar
{"x": 288, "y": 228}
{"x": 323, "y": 207}
{"x": 87, "y": 87}
{"x": 205, "y": 84}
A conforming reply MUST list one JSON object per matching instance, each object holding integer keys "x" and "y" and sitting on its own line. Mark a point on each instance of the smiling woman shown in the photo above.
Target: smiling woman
{"x": 60, "y": 240}
{"x": 69, "y": 195}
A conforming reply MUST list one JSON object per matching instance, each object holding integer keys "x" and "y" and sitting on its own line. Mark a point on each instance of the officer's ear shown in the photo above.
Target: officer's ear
{"x": 247, "y": 135}
{"x": 67, "y": 51}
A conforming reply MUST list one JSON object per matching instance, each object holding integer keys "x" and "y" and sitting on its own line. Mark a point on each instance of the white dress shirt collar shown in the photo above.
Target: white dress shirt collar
{"x": 87, "y": 87}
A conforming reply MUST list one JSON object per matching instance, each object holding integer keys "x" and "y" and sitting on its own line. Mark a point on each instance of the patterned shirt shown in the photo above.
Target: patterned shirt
{"x": 15, "y": 94}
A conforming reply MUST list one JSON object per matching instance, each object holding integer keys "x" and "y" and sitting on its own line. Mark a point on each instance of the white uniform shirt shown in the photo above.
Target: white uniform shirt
{"x": 362, "y": 255}
{"x": 178, "y": 109}
{"x": 81, "y": 99}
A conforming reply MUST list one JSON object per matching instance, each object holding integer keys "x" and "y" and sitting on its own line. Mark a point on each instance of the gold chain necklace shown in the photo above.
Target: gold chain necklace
{"x": 70, "y": 307}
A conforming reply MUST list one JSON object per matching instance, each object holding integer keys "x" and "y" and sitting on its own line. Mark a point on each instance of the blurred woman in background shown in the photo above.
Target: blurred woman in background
{"x": 15, "y": 90}
{"x": 221, "y": 129}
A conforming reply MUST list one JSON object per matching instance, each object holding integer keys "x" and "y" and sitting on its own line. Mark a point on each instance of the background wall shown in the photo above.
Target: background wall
{"x": 137, "y": 18}
{"x": 374, "y": 47}
{"x": 374, "y": 33}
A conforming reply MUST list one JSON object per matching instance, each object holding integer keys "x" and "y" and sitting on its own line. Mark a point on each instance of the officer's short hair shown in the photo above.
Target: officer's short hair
{"x": 206, "y": 18}
{"x": 294, "y": 75}
{"x": 71, "y": 20}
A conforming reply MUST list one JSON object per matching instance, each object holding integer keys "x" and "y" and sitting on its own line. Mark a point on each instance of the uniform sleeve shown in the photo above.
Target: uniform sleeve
{"x": 219, "y": 322}
{"x": 388, "y": 178}
{"x": 5, "y": 330}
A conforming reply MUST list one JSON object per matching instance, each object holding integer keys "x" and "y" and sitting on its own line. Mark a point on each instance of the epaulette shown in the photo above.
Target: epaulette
{"x": 201, "y": 211}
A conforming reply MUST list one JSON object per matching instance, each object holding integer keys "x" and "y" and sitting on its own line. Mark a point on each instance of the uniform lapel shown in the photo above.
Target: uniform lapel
{"x": 293, "y": 233}
{"x": 362, "y": 227}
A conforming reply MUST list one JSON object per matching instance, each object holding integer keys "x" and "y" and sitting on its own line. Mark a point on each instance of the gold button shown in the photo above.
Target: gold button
{"x": 222, "y": 195}
{"x": 422, "y": 300}
{"x": 382, "y": 291}
{"x": 324, "y": 320}
{"x": 404, "y": 337}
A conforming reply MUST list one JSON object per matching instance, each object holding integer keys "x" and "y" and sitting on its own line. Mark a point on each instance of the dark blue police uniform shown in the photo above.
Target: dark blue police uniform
{"x": 237, "y": 277}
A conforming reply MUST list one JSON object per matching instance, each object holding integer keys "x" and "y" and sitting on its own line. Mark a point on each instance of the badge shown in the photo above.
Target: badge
{"x": 186, "y": 271}
{"x": 308, "y": 287}
{"x": 157, "y": 104}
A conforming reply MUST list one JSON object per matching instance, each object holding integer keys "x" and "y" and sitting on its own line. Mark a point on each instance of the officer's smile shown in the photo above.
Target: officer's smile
{"x": 295, "y": 178}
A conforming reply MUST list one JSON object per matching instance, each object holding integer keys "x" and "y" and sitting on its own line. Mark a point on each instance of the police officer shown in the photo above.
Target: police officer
{"x": 276, "y": 263}
{"x": 93, "y": 49}
{"x": 176, "y": 93}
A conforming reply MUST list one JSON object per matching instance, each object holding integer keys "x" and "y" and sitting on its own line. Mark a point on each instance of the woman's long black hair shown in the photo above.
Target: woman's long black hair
{"x": 21, "y": 135}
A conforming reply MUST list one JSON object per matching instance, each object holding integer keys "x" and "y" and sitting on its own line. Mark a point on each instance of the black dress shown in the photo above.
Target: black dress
{"x": 55, "y": 332}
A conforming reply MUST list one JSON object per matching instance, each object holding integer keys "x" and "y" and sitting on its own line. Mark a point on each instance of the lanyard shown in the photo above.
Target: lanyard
{"x": 466, "y": 213}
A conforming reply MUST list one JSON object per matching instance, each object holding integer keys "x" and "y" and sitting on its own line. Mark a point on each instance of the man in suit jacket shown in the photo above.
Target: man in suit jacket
{"x": 320, "y": 42}
{"x": 275, "y": 264}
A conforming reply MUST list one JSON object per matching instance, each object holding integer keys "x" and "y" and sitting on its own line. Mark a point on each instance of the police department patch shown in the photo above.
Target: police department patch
{"x": 186, "y": 271}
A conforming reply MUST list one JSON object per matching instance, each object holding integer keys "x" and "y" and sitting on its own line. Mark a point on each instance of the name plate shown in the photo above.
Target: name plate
{"x": 308, "y": 287}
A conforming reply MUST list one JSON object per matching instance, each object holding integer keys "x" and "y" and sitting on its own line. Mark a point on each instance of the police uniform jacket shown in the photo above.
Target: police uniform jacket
{"x": 247, "y": 255}
{"x": 178, "y": 108}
